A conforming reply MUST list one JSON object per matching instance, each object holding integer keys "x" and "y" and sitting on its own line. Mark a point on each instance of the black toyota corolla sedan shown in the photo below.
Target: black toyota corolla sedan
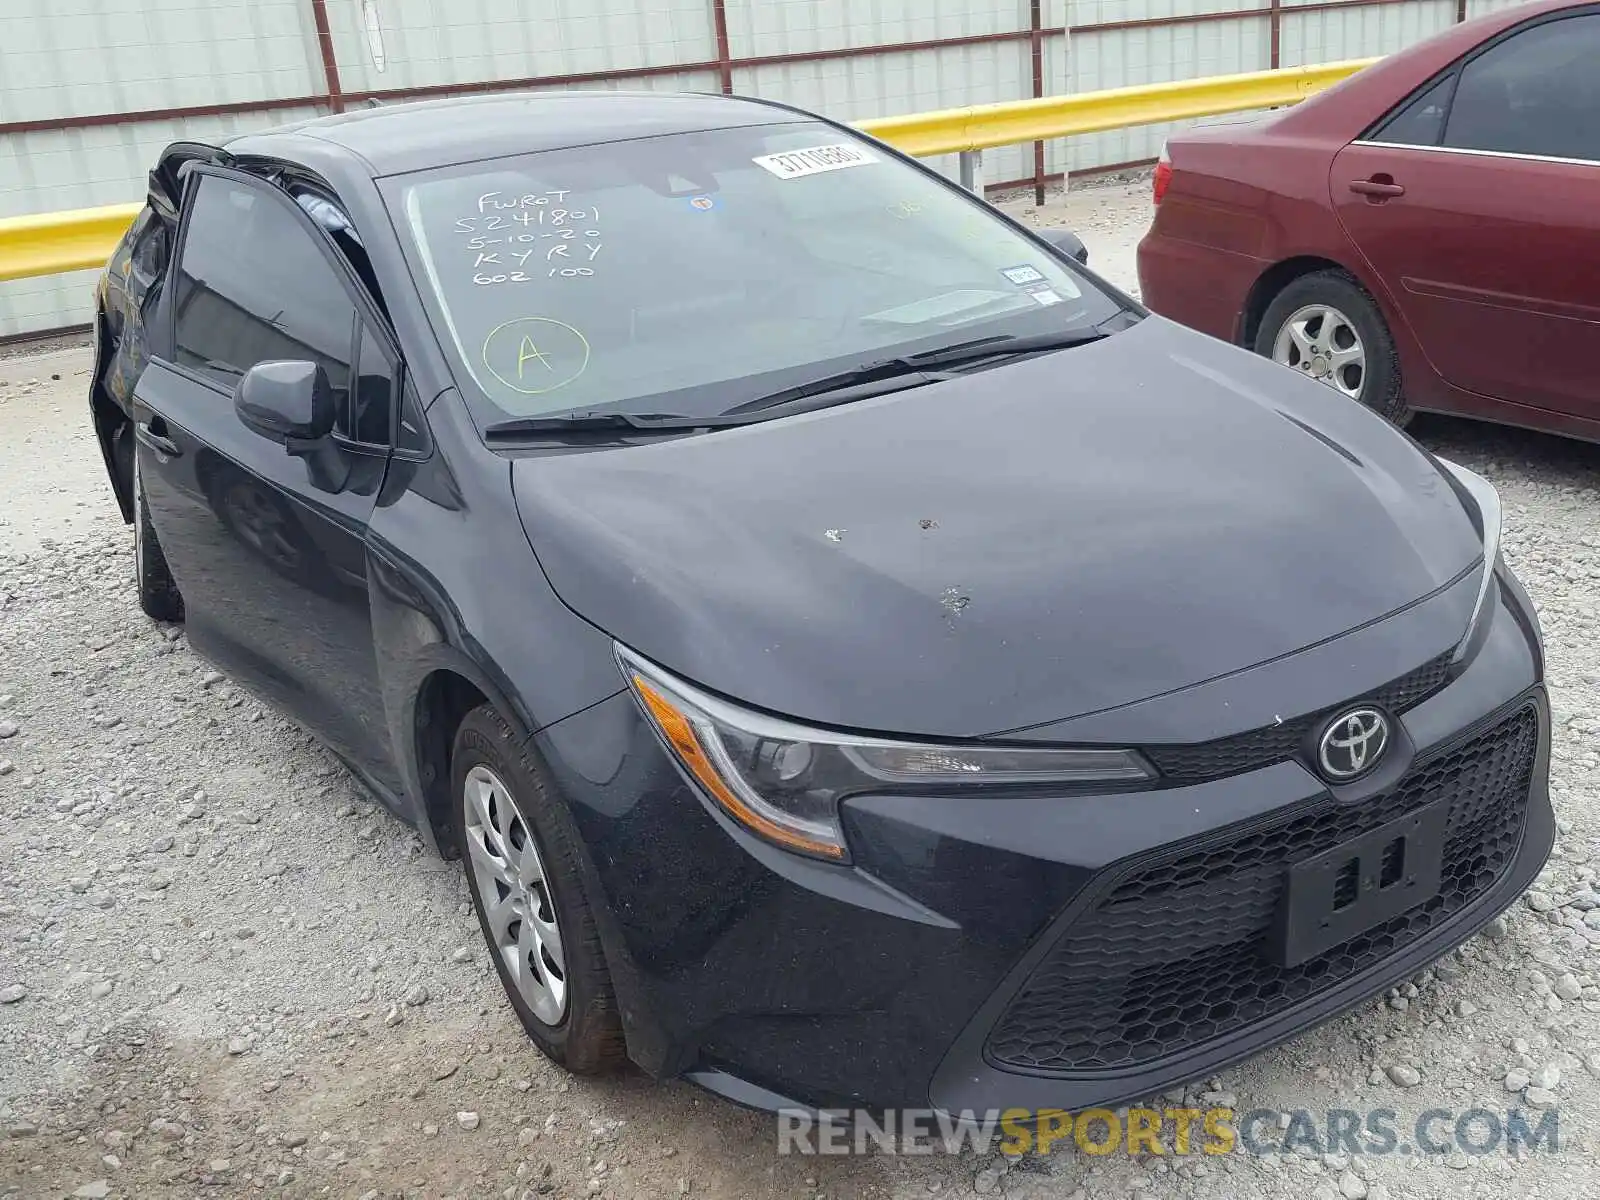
{"x": 860, "y": 656}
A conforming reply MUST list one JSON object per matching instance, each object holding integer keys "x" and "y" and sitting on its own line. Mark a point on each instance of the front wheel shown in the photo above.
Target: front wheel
{"x": 158, "y": 591}
{"x": 522, "y": 858}
{"x": 1325, "y": 326}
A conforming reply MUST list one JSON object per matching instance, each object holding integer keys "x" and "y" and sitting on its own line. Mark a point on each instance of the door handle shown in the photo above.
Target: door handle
{"x": 1379, "y": 187}
{"x": 159, "y": 442}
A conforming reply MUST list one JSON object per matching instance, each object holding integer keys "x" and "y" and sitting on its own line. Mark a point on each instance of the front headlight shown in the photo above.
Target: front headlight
{"x": 1487, "y": 517}
{"x": 784, "y": 781}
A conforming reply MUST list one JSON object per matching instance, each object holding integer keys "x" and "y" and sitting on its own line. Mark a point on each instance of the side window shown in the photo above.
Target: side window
{"x": 413, "y": 434}
{"x": 1536, "y": 93}
{"x": 252, "y": 285}
{"x": 336, "y": 222}
{"x": 1422, "y": 121}
{"x": 370, "y": 416}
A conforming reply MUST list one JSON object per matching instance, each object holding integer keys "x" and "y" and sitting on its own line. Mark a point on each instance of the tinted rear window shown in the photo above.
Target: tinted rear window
{"x": 1535, "y": 93}
{"x": 1422, "y": 121}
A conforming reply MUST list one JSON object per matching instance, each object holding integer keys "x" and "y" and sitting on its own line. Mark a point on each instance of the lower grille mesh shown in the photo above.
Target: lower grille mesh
{"x": 1178, "y": 953}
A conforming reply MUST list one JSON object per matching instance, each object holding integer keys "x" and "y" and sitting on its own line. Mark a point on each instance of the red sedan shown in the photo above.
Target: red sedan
{"x": 1425, "y": 235}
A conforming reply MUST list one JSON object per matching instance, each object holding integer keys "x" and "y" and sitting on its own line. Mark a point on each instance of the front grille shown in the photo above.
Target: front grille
{"x": 1257, "y": 748}
{"x": 1178, "y": 953}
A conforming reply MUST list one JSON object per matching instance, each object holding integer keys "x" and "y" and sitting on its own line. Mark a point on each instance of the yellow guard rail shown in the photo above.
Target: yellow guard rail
{"x": 47, "y": 243}
{"x": 984, "y": 126}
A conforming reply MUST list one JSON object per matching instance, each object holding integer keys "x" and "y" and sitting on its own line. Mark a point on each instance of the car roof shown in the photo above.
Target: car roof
{"x": 393, "y": 139}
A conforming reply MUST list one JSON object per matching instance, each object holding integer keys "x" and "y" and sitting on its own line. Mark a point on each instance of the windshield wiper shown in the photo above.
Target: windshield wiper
{"x": 873, "y": 379}
{"x": 583, "y": 421}
{"x": 926, "y": 364}
{"x": 612, "y": 420}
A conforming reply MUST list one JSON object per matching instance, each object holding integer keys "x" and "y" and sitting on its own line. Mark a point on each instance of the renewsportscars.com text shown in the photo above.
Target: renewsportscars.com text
{"x": 1175, "y": 1131}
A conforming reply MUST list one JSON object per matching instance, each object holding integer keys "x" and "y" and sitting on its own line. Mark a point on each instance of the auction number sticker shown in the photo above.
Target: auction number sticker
{"x": 814, "y": 160}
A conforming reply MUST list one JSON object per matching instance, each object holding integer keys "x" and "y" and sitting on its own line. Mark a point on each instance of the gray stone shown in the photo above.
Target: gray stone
{"x": 13, "y": 993}
{"x": 1403, "y": 1075}
{"x": 468, "y": 1120}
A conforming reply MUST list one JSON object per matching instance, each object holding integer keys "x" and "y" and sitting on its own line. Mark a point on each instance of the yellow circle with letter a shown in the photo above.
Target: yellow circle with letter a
{"x": 534, "y": 355}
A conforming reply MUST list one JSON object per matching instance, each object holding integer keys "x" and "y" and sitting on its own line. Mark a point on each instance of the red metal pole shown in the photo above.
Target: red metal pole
{"x": 1036, "y": 38}
{"x": 330, "y": 66}
{"x": 1276, "y": 17}
{"x": 719, "y": 22}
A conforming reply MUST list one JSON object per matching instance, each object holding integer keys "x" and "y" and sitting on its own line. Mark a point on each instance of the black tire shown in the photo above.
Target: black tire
{"x": 159, "y": 596}
{"x": 1381, "y": 389}
{"x": 587, "y": 1039}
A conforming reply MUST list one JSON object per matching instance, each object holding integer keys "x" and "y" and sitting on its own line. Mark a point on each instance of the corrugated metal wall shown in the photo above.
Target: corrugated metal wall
{"x": 427, "y": 43}
{"x": 62, "y": 59}
{"x": 90, "y": 90}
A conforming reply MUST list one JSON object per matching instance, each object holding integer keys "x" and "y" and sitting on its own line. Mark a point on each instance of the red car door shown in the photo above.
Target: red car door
{"x": 1478, "y": 206}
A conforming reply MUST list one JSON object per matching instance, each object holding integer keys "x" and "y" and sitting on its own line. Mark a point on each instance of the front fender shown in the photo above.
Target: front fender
{"x": 480, "y": 609}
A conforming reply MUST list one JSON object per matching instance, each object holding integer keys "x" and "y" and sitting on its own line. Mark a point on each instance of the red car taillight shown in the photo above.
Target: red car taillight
{"x": 1163, "y": 178}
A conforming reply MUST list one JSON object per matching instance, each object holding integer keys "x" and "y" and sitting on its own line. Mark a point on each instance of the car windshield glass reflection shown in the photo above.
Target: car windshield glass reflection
{"x": 689, "y": 273}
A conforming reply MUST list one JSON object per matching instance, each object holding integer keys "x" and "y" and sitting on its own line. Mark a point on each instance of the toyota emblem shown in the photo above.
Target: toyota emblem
{"x": 1352, "y": 744}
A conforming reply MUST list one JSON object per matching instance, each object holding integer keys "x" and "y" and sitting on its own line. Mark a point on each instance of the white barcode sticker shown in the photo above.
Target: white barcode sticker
{"x": 814, "y": 160}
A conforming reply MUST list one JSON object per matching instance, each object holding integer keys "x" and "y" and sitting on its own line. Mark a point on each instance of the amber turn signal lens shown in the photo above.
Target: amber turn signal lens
{"x": 685, "y": 740}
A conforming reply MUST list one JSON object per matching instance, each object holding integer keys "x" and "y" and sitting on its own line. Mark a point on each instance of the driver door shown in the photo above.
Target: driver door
{"x": 268, "y": 548}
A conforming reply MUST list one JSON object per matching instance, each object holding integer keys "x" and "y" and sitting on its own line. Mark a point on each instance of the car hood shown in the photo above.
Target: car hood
{"x": 1066, "y": 534}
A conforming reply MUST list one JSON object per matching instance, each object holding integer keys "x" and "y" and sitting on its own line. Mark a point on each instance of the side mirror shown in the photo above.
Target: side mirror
{"x": 287, "y": 402}
{"x": 1067, "y": 242}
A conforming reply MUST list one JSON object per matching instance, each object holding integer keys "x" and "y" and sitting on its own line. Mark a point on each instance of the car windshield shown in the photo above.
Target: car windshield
{"x": 690, "y": 273}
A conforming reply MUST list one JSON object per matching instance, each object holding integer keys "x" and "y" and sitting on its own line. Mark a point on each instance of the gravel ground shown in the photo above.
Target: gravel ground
{"x": 224, "y": 972}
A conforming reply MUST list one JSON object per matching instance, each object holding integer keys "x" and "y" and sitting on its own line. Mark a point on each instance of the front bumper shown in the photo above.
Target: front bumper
{"x": 1036, "y": 952}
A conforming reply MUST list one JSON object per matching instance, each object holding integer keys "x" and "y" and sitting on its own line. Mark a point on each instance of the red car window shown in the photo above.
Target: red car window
{"x": 1535, "y": 93}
